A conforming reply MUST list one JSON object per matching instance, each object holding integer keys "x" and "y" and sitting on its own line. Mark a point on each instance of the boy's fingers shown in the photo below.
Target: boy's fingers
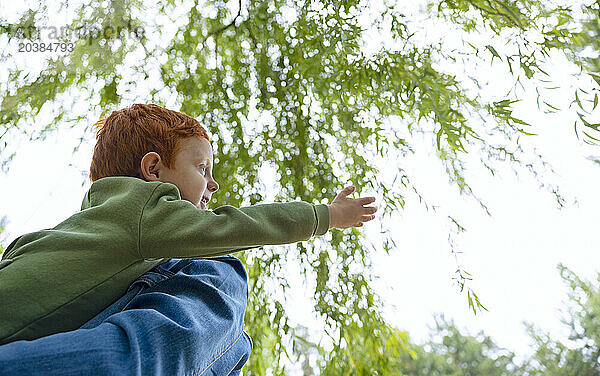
{"x": 370, "y": 209}
{"x": 366, "y": 200}
{"x": 366, "y": 218}
{"x": 346, "y": 191}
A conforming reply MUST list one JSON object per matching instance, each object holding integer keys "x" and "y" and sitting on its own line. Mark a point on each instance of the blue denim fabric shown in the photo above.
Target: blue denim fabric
{"x": 184, "y": 317}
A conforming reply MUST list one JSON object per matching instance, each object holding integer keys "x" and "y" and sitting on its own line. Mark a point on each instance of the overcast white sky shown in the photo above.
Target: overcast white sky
{"x": 512, "y": 255}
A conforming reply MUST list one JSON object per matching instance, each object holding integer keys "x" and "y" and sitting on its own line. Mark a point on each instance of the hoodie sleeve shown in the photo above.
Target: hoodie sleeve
{"x": 174, "y": 228}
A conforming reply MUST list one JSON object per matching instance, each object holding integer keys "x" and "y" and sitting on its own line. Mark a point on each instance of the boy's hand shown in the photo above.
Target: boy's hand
{"x": 347, "y": 212}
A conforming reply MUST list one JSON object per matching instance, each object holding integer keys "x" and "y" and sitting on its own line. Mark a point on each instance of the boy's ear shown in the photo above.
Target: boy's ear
{"x": 150, "y": 166}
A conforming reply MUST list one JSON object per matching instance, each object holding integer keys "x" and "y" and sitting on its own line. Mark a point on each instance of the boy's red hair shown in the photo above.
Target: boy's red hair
{"x": 124, "y": 137}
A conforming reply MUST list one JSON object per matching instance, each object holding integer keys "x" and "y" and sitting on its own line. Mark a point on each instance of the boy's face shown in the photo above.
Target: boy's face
{"x": 191, "y": 172}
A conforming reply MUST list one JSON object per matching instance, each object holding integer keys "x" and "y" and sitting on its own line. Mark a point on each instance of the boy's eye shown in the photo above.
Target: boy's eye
{"x": 203, "y": 169}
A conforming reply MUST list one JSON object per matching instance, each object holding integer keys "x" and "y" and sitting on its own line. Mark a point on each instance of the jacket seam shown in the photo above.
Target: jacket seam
{"x": 139, "y": 240}
{"x": 10, "y": 249}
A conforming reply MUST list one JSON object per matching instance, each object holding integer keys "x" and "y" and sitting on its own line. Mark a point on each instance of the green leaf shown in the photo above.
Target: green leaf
{"x": 578, "y": 101}
{"x": 526, "y": 133}
{"x": 471, "y": 305}
{"x": 551, "y": 106}
{"x": 595, "y": 76}
{"x": 493, "y": 51}
{"x": 439, "y": 138}
{"x": 590, "y": 136}
{"x": 479, "y": 305}
{"x": 595, "y": 127}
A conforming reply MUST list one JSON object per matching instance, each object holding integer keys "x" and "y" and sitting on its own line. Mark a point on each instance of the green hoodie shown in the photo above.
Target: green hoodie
{"x": 55, "y": 280}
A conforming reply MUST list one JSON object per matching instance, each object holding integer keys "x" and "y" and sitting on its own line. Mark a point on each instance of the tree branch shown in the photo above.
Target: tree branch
{"x": 493, "y": 11}
{"x": 515, "y": 19}
{"x": 232, "y": 23}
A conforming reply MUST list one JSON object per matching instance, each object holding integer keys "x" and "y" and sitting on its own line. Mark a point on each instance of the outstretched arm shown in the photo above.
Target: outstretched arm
{"x": 175, "y": 228}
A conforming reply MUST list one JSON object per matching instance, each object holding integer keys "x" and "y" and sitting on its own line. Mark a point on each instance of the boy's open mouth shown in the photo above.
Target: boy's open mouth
{"x": 203, "y": 203}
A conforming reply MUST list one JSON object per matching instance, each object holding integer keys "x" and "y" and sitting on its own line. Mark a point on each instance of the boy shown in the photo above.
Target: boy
{"x": 152, "y": 179}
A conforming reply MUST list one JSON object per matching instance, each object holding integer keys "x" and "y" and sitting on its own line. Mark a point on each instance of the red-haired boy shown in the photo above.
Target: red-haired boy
{"x": 152, "y": 180}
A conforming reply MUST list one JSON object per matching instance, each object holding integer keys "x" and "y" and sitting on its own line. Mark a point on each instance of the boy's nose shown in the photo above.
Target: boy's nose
{"x": 213, "y": 186}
